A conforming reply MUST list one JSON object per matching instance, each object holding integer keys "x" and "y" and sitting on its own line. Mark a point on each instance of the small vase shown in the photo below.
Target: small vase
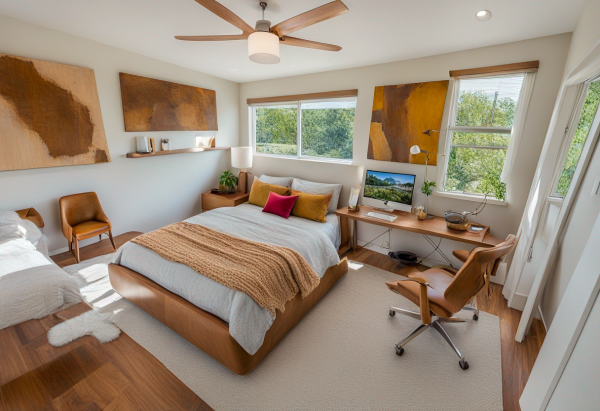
{"x": 223, "y": 189}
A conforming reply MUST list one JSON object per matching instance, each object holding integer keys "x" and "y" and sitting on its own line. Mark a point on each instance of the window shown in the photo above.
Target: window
{"x": 588, "y": 112}
{"x": 318, "y": 129}
{"x": 479, "y": 134}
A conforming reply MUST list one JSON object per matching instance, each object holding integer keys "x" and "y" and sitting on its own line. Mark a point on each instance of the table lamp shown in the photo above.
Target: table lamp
{"x": 241, "y": 157}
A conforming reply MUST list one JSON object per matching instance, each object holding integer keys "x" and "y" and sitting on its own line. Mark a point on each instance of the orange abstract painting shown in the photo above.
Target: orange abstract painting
{"x": 400, "y": 116}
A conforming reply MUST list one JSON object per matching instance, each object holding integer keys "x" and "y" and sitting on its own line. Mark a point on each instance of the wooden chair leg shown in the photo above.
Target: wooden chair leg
{"x": 111, "y": 239}
{"x": 76, "y": 249}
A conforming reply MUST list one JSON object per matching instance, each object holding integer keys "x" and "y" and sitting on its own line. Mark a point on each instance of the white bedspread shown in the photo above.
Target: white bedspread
{"x": 31, "y": 285}
{"x": 248, "y": 322}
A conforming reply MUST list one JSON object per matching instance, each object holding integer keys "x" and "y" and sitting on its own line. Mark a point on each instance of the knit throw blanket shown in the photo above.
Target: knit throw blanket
{"x": 270, "y": 275}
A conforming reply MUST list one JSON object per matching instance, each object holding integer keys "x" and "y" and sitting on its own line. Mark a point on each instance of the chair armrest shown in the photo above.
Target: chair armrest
{"x": 423, "y": 298}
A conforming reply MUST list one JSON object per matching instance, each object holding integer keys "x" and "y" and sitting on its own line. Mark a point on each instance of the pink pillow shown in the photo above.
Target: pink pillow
{"x": 280, "y": 205}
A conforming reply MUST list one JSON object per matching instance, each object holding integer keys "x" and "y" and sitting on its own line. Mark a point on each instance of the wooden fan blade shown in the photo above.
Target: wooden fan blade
{"x": 314, "y": 16}
{"x": 293, "y": 41}
{"x": 226, "y": 15}
{"x": 213, "y": 38}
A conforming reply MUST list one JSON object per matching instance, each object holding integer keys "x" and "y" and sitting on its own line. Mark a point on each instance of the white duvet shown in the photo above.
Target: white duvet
{"x": 248, "y": 322}
{"x": 31, "y": 285}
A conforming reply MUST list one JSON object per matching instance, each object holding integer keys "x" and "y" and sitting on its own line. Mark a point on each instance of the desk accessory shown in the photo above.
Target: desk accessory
{"x": 383, "y": 216}
{"x": 241, "y": 157}
{"x": 353, "y": 201}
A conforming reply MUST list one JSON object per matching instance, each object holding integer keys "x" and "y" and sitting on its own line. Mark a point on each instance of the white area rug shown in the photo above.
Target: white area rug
{"x": 94, "y": 323}
{"x": 339, "y": 357}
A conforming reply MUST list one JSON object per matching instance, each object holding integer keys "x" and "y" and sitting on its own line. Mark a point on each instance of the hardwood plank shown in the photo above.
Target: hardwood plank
{"x": 504, "y": 68}
{"x": 94, "y": 250}
{"x": 517, "y": 358}
{"x": 297, "y": 97}
{"x": 12, "y": 363}
{"x": 26, "y": 393}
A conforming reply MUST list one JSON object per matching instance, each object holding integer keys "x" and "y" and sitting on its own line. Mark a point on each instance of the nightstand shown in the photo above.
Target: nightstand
{"x": 211, "y": 201}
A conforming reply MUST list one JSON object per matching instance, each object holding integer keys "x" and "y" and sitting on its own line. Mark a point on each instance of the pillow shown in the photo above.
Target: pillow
{"x": 278, "y": 181}
{"x": 311, "y": 206}
{"x": 280, "y": 205}
{"x": 310, "y": 187}
{"x": 12, "y": 227}
{"x": 259, "y": 193}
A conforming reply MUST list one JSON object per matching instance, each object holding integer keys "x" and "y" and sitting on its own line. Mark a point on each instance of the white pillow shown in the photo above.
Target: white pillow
{"x": 12, "y": 227}
{"x": 319, "y": 188}
{"x": 278, "y": 181}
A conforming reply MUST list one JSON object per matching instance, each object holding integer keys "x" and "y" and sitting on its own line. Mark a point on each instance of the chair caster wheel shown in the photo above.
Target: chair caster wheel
{"x": 392, "y": 313}
{"x": 464, "y": 365}
{"x": 475, "y": 317}
{"x": 399, "y": 351}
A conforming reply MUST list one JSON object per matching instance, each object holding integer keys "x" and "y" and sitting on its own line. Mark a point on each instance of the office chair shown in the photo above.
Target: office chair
{"x": 441, "y": 292}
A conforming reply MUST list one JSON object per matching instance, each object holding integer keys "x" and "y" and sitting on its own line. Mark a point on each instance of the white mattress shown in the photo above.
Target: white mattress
{"x": 248, "y": 322}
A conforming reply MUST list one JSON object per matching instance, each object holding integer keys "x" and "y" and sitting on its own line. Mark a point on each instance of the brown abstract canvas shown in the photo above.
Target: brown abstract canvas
{"x": 156, "y": 105}
{"x": 49, "y": 115}
{"x": 400, "y": 116}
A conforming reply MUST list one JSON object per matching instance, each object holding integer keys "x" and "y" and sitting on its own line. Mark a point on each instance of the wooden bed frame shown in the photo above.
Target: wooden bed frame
{"x": 210, "y": 333}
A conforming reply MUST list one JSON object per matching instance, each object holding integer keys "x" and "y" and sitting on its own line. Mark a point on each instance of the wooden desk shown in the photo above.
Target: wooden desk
{"x": 435, "y": 226}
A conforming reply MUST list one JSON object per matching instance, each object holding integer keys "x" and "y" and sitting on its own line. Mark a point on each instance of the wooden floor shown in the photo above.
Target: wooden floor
{"x": 86, "y": 375}
{"x": 517, "y": 358}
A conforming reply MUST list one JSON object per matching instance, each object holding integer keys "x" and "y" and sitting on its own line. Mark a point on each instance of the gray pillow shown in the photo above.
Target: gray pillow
{"x": 319, "y": 188}
{"x": 278, "y": 181}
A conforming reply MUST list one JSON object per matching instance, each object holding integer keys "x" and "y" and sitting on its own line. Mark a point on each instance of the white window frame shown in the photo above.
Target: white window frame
{"x": 298, "y": 104}
{"x": 451, "y": 128}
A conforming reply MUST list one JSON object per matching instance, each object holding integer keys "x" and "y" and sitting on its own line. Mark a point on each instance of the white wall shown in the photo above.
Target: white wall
{"x": 586, "y": 207}
{"x": 136, "y": 194}
{"x": 585, "y": 35}
{"x": 550, "y": 51}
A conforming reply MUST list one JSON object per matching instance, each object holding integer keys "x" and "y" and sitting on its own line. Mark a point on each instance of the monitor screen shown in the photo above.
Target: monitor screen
{"x": 397, "y": 188}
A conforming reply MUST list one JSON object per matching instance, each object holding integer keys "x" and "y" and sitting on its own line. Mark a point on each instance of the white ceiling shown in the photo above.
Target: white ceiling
{"x": 373, "y": 32}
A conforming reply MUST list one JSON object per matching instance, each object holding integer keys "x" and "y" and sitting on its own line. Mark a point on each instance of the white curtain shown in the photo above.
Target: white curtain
{"x": 518, "y": 123}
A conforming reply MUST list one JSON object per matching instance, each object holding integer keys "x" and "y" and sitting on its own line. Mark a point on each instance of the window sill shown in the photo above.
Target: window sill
{"x": 311, "y": 159}
{"x": 469, "y": 197}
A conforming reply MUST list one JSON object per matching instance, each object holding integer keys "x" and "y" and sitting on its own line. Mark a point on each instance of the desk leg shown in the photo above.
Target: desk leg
{"x": 354, "y": 238}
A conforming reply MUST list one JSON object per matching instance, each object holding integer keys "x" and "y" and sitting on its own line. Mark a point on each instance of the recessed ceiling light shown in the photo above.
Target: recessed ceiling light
{"x": 483, "y": 15}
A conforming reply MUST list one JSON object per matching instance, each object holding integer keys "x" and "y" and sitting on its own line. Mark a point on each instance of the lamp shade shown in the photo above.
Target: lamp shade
{"x": 263, "y": 47}
{"x": 241, "y": 157}
{"x": 415, "y": 149}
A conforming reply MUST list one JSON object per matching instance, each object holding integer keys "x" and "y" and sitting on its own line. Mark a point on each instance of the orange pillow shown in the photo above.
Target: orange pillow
{"x": 259, "y": 193}
{"x": 311, "y": 206}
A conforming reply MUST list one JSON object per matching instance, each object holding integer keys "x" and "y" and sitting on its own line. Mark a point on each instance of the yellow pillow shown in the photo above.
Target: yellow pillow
{"x": 311, "y": 206}
{"x": 259, "y": 193}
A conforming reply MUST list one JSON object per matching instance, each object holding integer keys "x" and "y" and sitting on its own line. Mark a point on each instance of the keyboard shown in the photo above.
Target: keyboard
{"x": 382, "y": 216}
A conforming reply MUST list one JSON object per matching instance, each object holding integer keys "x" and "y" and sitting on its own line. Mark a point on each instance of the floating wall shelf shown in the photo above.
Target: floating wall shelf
{"x": 180, "y": 151}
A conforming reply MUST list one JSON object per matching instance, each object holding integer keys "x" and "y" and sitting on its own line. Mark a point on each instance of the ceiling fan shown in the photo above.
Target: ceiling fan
{"x": 264, "y": 40}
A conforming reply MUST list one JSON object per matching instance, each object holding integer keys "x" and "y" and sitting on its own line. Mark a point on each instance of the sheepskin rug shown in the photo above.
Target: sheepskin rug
{"x": 94, "y": 323}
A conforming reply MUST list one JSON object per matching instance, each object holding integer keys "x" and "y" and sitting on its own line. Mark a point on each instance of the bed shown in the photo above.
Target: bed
{"x": 31, "y": 284}
{"x": 228, "y": 324}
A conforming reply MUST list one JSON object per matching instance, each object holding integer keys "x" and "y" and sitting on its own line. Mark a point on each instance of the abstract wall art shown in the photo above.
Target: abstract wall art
{"x": 400, "y": 116}
{"x": 156, "y": 105}
{"x": 49, "y": 115}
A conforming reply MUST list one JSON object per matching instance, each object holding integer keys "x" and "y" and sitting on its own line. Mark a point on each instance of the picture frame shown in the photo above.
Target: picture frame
{"x": 353, "y": 200}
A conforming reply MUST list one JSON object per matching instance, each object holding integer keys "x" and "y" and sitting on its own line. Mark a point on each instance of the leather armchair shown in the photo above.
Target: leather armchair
{"x": 81, "y": 218}
{"x": 442, "y": 292}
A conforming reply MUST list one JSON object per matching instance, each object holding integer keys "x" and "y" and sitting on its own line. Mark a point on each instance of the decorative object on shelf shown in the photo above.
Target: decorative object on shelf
{"x": 241, "y": 157}
{"x": 50, "y": 115}
{"x": 264, "y": 40}
{"x": 156, "y": 105}
{"x": 165, "y": 144}
{"x": 398, "y": 112}
{"x": 227, "y": 182}
{"x": 427, "y": 187}
{"x": 142, "y": 145}
{"x": 353, "y": 202}
{"x": 205, "y": 141}
{"x": 422, "y": 215}
{"x": 152, "y": 144}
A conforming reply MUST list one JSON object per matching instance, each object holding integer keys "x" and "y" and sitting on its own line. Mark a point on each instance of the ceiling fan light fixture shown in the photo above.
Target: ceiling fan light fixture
{"x": 263, "y": 47}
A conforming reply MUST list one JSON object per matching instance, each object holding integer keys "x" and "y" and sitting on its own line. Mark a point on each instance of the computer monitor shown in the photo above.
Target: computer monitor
{"x": 389, "y": 190}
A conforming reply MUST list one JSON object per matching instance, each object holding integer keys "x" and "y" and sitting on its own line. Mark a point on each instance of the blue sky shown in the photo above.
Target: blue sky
{"x": 400, "y": 178}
